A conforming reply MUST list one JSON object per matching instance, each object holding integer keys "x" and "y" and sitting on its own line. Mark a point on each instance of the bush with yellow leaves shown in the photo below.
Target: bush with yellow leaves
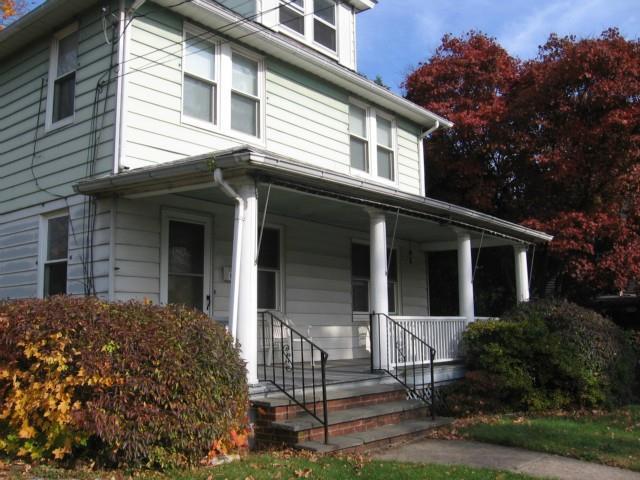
{"x": 122, "y": 383}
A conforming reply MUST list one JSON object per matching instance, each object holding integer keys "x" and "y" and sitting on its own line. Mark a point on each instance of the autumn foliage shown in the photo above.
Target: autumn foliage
{"x": 552, "y": 143}
{"x": 10, "y": 9}
{"x": 124, "y": 384}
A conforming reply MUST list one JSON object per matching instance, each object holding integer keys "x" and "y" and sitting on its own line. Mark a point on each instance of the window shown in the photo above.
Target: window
{"x": 385, "y": 148}
{"x": 245, "y": 99}
{"x": 222, "y": 87}
{"x": 269, "y": 270}
{"x": 62, "y": 77}
{"x": 372, "y": 136}
{"x": 359, "y": 146}
{"x": 361, "y": 274}
{"x": 54, "y": 255}
{"x": 292, "y": 15}
{"x": 199, "y": 91}
{"x": 324, "y": 23}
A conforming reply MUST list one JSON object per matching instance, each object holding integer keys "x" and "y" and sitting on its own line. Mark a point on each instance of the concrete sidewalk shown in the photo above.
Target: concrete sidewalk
{"x": 475, "y": 454}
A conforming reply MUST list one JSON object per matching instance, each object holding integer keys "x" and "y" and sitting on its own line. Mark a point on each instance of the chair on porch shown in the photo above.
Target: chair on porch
{"x": 280, "y": 340}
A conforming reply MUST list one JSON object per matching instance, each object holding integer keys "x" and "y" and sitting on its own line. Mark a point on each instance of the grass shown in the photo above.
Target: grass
{"x": 283, "y": 466}
{"x": 608, "y": 438}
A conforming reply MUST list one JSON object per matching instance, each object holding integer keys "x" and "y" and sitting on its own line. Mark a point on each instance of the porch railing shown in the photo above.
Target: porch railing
{"x": 284, "y": 353}
{"x": 444, "y": 333}
{"x": 407, "y": 357}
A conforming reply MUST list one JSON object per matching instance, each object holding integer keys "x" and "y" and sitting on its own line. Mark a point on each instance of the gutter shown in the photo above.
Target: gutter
{"x": 238, "y": 227}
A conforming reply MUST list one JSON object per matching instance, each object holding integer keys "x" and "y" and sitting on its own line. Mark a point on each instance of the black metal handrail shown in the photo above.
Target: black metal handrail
{"x": 400, "y": 346}
{"x": 280, "y": 338}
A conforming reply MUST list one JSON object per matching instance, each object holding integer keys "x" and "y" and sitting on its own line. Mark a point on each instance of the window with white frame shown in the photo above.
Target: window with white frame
{"x": 200, "y": 87}
{"x": 314, "y": 20}
{"x": 62, "y": 77}
{"x": 245, "y": 97}
{"x": 54, "y": 254}
{"x": 360, "y": 279}
{"x": 292, "y": 13}
{"x": 222, "y": 86}
{"x": 324, "y": 23}
{"x": 359, "y": 143}
{"x": 385, "y": 156}
{"x": 372, "y": 142}
{"x": 269, "y": 270}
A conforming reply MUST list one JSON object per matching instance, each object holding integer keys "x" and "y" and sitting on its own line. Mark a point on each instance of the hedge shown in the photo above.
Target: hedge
{"x": 122, "y": 383}
{"x": 549, "y": 355}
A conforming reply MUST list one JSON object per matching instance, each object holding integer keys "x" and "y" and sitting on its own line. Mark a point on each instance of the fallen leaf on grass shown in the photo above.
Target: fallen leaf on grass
{"x": 303, "y": 473}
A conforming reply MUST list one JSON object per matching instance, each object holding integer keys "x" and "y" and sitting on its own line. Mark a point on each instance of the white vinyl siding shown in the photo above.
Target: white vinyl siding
{"x": 60, "y": 154}
{"x": 20, "y": 252}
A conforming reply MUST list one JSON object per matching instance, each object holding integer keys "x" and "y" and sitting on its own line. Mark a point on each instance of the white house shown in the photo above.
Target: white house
{"x": 227, "y": 155}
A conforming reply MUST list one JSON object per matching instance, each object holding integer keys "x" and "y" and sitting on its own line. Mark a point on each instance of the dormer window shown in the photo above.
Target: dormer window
{"x": 324, "y": 23}
{"x": 292, "y": 15}
{"x": 62, "y": 77}
{"x": 314, "y": 20}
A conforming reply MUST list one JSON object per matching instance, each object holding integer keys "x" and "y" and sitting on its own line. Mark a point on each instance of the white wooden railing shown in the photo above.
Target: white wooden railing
{"x": 442, "y": 333}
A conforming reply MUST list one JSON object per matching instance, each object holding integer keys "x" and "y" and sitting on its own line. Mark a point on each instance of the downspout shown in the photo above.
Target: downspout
{"x": 423, "y": 160}
{"x": 238, "y": 225}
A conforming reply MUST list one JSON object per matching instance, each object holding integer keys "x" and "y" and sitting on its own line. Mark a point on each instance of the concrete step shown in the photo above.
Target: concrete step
{"x": 375, "y": 438}
{"x": 343, "y": 422}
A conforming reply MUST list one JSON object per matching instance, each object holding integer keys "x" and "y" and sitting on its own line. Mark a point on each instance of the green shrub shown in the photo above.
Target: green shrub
{"x": 124, "y": 383}
{"x": 546, "y": 355}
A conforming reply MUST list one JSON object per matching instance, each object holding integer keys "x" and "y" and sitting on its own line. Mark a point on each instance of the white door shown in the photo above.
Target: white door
{"x": 186, "y": 261}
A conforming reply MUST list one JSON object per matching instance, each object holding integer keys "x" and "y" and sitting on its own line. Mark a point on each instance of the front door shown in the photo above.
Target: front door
{"x": 186, "y": 262}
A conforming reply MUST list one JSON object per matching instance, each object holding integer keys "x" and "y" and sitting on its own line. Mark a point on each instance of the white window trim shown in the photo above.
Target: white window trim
{"x": 372, "y": 131}
{"x": 334, "y": 27}
{"x": 280, "y": 277}
{"x": 224, "y": 76}
{"x": 53, "y": 70}
{"x": 167, "y": 215}
{"x": 215, "y": 42}
{"x": 226, "y": 106}
{"x": 309, "y": 37}
{"x": 43, "y": 234}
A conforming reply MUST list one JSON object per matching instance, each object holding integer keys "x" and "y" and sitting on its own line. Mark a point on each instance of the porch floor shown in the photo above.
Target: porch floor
{"x": 341, "y": 375}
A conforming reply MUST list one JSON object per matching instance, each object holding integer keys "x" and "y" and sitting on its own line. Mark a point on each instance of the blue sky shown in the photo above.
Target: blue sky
{"x": 398, "y": 34}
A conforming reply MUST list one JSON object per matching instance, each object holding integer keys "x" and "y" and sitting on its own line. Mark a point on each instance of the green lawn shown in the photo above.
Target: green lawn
{"x": 274, "y": 467}
{"x": 611, "y": 439}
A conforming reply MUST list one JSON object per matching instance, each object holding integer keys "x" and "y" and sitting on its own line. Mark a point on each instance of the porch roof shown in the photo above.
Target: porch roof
{"x": 196, "y": 172}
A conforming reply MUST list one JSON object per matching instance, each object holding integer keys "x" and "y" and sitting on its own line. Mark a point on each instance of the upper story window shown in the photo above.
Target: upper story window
{"x": 62, "y": 77}
{"x": 292, "y": 13}
{"x": 315, "y": 20}
{"x": 324, "y": 23}
{"x": 222, "y": 86}
{"x": 200, "y": 87}
{"x": 372, "y": 135}
{"x": 54, "y": 248}
{"x": 245, "y": 100}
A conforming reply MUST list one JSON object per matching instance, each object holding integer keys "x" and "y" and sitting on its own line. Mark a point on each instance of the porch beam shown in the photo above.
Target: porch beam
{"x": 445, "y": 246}
{"x": 465, "y": 276}
{"x": 522, "y": 275}
{"x": 247, "y": 327}
{"x": 379, "y": 285}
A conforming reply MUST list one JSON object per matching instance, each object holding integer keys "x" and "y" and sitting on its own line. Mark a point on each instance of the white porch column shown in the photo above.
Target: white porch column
{"x": 465, "y": 276}
{"x": 247, "y": 329}
{"x": 379, "y": 286}
{"x": 522, "y": 274}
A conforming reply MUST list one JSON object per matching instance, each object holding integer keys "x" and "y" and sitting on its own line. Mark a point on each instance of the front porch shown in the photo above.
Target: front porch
{"x": 339, "y": 266}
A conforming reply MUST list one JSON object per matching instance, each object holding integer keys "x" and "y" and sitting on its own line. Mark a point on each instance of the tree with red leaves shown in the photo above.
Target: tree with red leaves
{"x": 10, "y": 10}
{"x": 552, "y": 143}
